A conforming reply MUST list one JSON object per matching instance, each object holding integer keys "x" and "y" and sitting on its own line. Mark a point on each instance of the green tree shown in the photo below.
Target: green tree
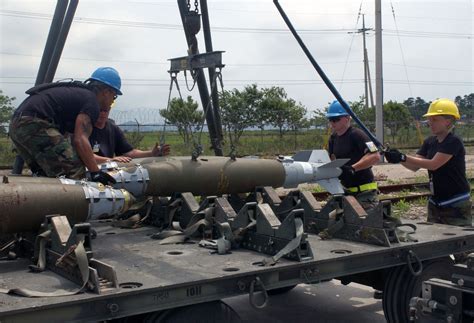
{"x": 319, "y": 120}
{"x": 396, "y": 117}
{"x": 365, "y": 114}
{"x": 238, "y": 110}
{"x": 466, "y": 105}
{"x": 275, "y": 102}
{"x": 185, "y": 116}
{"x": 296, "y": 118}
{"x": 6, "y": 110}
{"x": 417, "y": 107}
{"x": 263, "y": 112}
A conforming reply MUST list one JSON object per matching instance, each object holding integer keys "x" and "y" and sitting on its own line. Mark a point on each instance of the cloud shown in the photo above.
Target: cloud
{"x": 427, "y": 53}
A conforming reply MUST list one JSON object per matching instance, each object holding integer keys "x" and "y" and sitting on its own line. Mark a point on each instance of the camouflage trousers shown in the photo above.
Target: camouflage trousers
{"x": 455, "y": 214}
{"x": 45, "y": 149}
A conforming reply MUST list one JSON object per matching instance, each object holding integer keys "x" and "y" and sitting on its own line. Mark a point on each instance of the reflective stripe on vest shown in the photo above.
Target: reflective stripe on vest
{"x": 362, "y": 188}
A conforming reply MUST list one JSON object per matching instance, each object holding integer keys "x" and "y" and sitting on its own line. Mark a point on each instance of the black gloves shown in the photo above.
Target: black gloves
{"x": 102, "y": 177}
{"x": 347, "y": 170}
{"x": 394, "y": 156}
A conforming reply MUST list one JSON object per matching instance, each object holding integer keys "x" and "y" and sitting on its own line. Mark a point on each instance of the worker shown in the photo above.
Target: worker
{"x": 109, "y": 143}
{"x": 349, "y": 142}
{"x": 51, "y": 127}
{"x": 443, "y": 155}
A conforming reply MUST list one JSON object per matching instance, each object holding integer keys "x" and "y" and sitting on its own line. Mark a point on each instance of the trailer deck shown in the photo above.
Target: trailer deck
{"x": 155, "y": 277}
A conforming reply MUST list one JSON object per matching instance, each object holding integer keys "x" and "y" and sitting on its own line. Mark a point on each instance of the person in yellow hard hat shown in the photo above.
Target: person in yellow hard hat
{"x": 443, "y": 155}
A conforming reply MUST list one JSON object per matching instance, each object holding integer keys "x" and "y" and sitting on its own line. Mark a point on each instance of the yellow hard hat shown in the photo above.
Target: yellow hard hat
{"x": 443, "y": 107}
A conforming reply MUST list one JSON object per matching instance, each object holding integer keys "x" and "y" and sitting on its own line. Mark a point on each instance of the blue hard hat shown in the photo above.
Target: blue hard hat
{"x": 336, "y": 110}
{"x": 108, "y": 76}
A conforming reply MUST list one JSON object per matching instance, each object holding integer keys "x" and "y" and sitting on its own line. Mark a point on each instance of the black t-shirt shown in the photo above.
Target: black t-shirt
{"x": 450, "y": 179}
{"x": 61, "y": 106}
{"x": 109, "y": 141}
{"x": 352, "y": 145}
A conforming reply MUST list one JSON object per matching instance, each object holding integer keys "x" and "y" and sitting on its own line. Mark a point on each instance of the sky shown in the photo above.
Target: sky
{"x": 427, "y": 48}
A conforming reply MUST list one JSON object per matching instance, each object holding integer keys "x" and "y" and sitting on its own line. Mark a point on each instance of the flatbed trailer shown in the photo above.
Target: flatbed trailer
{"x": 154, "y": 277}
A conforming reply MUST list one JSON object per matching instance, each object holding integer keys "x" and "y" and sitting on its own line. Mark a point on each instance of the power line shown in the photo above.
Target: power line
{"x": 136, "y": 24}
{"x": 350, "y": 46}
{"x": 302, "y": 13}
{"x": 165, "y": 83}
{"x": 401, "y": 50}
{"x": 263, "y": 65}
{"x": 167, "y": 63}
{"x": 426, "y": 34}
{"x": 125, "y": 23}
{"x": 88, "y": 59}
{"x": 432, "y": 68}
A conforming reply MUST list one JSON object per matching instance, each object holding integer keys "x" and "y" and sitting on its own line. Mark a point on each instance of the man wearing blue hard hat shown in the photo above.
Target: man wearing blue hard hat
{"x": 51, "y": 127}
{"x": 349, "y": 142}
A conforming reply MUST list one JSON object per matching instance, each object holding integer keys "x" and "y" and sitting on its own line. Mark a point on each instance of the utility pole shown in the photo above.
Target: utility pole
{"x": 367, "y": 80}
{"x": 366, "y": 61}
{"x": 378, "y": 73}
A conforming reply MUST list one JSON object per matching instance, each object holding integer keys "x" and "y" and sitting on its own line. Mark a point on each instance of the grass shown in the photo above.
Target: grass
{"x": 421, "y": 178}
{"x": 267, "y": 143}
{"x": 405, "y": 209}
{"x": 6, "y": 152}
{"x": 422, "y": 201}
{"x": 316, "y": 188}
{"x": 400, "y": 208}
{"x": 393, "y": 181}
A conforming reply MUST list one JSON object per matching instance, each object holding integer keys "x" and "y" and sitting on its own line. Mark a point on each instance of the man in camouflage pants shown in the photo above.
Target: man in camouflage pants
{"x": 51, "y": 127}
{"x": 46, "y": 147}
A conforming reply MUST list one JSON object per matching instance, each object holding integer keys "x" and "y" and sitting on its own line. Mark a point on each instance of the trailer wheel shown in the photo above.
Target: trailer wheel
{"x": 401, "y": 285}
{"x": 436, "y": 268}
{"x": 388, "y": 296}
{"x": 212, "y": 312}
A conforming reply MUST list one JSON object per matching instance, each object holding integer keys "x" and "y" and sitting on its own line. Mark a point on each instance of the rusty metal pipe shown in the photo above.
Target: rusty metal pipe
{"x": 23, "y": 206}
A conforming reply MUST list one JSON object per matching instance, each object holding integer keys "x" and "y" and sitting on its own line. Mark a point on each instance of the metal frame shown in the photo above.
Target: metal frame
{"x": 170, "y": 276}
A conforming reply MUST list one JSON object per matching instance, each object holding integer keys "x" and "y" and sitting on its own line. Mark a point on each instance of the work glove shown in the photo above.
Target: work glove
{"x": 347, "y": 170}
{"x": 394, "y": 156}
{"x": 102, "y": 177}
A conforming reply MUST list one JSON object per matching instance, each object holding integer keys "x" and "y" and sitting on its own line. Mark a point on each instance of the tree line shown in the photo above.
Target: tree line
{"x": 240, "y": 110}
{"x": 265, "y": 108}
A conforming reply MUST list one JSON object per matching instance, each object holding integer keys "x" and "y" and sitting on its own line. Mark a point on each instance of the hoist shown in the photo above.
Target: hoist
{"x": 196, "y": 62}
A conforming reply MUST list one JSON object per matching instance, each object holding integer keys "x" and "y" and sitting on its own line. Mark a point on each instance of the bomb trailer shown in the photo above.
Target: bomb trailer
{"x": 190, "y": 250}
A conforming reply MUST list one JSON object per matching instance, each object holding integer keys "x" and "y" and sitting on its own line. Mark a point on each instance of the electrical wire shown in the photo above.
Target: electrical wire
{"x": 137, "y": 24}
{"x": 341, "y": 84}
{"x": 333, "y": 32}
{"x": 253, "y": 65}
{"x": 401, "y": 50}
{"x": 269, "y": 82}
